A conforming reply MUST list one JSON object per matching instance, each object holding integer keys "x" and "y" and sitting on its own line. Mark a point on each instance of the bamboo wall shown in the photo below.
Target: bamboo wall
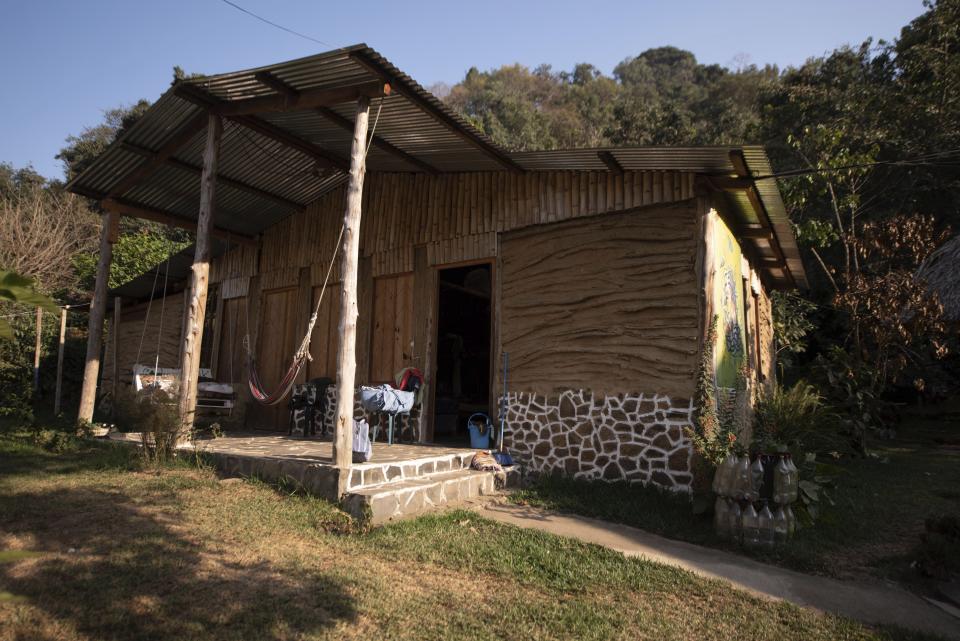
{"x": 132, "y": 333}
{"x": 455, "y": 216}
{"x": 411, "y": 223}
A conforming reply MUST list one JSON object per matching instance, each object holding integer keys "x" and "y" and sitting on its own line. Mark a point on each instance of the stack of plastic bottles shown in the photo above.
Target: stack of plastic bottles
{"x": 770, "y": 482}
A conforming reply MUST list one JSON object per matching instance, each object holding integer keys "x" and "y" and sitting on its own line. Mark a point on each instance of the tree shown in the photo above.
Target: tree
{"x": 42, "y": 228}
{"x": 83, "y": 149}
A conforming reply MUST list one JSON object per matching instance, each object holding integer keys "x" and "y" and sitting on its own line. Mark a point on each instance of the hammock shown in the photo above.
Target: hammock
{"x": 302, "y": 355}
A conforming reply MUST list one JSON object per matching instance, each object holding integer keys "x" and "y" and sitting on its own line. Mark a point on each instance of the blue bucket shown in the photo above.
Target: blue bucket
{"x": 478, "y": 440}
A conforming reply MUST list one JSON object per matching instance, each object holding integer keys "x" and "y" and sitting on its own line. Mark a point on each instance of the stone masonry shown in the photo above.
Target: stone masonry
{"x": 638, "y": 438}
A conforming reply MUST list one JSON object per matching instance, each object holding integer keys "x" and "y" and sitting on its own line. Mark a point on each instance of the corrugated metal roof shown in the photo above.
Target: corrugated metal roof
{"x": 267, "y": 180}
{"x": 710, "y": 160}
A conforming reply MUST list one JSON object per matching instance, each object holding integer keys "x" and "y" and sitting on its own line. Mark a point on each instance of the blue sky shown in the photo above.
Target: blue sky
{"x": 67, "y": 61}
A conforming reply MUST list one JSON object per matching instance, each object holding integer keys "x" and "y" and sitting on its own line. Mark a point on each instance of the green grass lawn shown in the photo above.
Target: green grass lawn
{"x": 874, "y": 527}
{"x": 94, "y": 546}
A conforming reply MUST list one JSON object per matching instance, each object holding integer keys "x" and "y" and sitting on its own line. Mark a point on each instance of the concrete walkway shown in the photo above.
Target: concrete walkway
{"x": 870, "y": 602}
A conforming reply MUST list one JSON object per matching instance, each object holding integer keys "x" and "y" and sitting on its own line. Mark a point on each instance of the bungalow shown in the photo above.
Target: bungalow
{"x": 589, "y": 276}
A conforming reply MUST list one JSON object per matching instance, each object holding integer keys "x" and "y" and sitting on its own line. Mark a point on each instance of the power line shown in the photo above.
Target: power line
{"x": 278, "y": 26}
{"x": 919, "y": 161}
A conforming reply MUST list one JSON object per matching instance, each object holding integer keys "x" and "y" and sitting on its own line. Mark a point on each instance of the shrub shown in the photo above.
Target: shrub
{"x": 798, "y": 419}
{"x": 939, "y": 553}
{"x": 153, "y": 413}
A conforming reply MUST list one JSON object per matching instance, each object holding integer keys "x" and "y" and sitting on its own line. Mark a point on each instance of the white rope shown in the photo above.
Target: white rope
{"x": 146, "y": 318}
{"x": 304, "y": 350}
{"x": 163, "y": 304}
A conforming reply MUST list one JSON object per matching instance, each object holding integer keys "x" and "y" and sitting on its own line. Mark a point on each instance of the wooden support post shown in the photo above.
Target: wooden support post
{"x": 36, "y": 351}
{"x": 346, "y": 355}
{"x": 199, "y": 275}
{"x": 115, "y": 339}
{"x": 425, "y": 330}
{"x": 98, "y": 307}
{"x": 60, "y": 345}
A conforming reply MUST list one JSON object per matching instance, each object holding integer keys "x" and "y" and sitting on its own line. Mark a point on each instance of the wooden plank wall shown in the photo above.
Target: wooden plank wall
{"x": 443, "y": 220}
{"x": 131, "y": 331}
{"x": 768, "y": 354}
{"x": 278, "y": 329}
{"x": 608, "y": 304}
{"x": 456, "y": 216}
{"x": 323, "y": 347}
{"x": 232, "y": 358}
{"x": 392, "y": 348}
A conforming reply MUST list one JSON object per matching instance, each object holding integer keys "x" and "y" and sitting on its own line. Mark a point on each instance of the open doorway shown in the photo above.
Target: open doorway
{"x": 463, "y": 350}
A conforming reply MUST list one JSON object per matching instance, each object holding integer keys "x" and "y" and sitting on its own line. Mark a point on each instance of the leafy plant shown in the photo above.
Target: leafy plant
{"x": 796, "y": 418}
{"x": 791, "y": 325}
{"x": 939, "y": 553}
{"x": 817, "y": 479}
{"x": 152, "y": 413}
{"x": 713, "y": 434}
{"x": 18, "y": 289}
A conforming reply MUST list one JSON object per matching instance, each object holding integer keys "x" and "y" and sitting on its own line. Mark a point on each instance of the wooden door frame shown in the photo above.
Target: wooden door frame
{"x": 491, "y": 368}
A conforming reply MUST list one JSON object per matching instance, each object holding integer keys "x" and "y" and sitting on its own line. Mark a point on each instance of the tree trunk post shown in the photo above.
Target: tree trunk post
{"x": 350, "y": 253}
{"x": 91, "y": 368}
{"x": 36, "y": 351}
{"x": 115, "y": 339}
{"x": 199, "y": 276}
{"x": 60, "y": 344}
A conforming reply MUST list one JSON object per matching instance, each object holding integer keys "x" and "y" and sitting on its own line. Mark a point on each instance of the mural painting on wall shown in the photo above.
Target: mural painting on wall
{"x": 728, "y": 303}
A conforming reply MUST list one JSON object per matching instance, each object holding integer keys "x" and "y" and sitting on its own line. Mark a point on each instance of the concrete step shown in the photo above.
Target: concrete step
{"x": 379, "y": 504}
{"x": 375, "y": 474}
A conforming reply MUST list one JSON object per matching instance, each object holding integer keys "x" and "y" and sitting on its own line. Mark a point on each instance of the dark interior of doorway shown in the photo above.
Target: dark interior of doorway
{"x": 463, "y": 351}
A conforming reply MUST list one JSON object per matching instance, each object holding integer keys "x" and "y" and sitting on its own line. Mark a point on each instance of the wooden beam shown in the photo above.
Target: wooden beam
{"x": 124, "y": 207}
{"x": 309, "y": 99}
{"x": 221, "y": 179}
{"x": 60, "y": 347}
{"x": 379, "y": 142}
{"x": 98, "y": 307}
{"x": 323, "y": 157}
{"x": 346, "y": 354}
{"x": 435, "y": 111}
{"x": 269, "y": 80}
{"x": 610, "y": 162}
{"x": 199, "y": 276}
{"x": 747, "y": 186}
{"x": 172, "y": 146}
{"x": 318, "y": 154}
{"x": 115, "y": 340}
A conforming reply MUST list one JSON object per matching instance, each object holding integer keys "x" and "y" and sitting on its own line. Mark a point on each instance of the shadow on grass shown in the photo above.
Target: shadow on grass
{"x": 113, "y": 566}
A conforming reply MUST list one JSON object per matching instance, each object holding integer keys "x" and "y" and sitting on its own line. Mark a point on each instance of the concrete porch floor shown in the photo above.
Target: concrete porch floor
{"x": 400, "y": 480}
{"x": 274, "y": 445}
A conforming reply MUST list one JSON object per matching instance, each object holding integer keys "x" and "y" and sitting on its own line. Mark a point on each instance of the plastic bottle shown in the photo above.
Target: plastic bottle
{"x": 756, "y": 479}
{"x": 751, "y": 526}
{"x": 744, "y": 480}
{"x": 734, "y": 519}
{"x": 721, "y": 478}
{"x": 721, "y": 518}
{"x": 730, "y": 477}
{"x": 793, "y": 482}
{"x": 781, "y": 475}
{"x": 791, "y": 521}
{"x": 780, "y": 525}
{"x": 766, "y": 526}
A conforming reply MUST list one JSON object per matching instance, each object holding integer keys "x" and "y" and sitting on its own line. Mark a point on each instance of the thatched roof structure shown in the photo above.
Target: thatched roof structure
{"x": 942, "y": 271}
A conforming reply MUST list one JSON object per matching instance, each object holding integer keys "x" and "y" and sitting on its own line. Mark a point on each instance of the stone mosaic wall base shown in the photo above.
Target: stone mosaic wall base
{"x": 638, "y": 437}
